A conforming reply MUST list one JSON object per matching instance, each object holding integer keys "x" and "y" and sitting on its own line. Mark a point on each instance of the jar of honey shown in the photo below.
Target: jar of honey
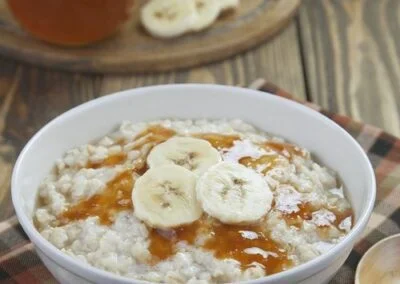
{"x": 71, "y": 22}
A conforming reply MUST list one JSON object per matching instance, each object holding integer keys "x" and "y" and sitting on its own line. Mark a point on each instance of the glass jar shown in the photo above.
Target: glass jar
{"x": 71, "y": 22}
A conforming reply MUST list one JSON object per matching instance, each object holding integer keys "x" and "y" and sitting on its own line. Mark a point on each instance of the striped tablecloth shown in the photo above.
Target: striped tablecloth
{"x": 20, "y": 264}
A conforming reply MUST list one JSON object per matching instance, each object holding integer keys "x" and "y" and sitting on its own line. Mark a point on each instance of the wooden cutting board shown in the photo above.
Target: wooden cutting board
{"x": 133, "y": 50}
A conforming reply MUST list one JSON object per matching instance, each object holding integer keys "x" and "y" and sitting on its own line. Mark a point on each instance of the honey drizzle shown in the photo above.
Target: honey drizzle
{"x": 162, "y": 242}
{"x": 228, "y": 241}
{"x": 225, "y": 241}
{"x": 218, "y": 141}
{"x": 305, "y": 213}
{"x": 153, "y": 135}
{"x": 116, "y": 197}
{"x": 296, "y": 218}
{"x": 268, "y": 160}
{"x": 110, "y": 161}
{"x": 284, "y": 149}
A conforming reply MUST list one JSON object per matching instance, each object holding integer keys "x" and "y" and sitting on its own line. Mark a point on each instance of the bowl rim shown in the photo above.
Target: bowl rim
{"x": 367, "y": 254}
{"x": 89, "y": 272}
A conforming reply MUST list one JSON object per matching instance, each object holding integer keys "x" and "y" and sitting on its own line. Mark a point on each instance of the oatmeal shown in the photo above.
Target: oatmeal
{"x": 192, "y": 201}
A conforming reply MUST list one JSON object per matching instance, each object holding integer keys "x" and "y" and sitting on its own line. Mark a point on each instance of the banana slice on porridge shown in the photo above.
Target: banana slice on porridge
{"x": 165, "y": 197}
{"x": 194, "y": 154}
{"x": 168, "y": 18}
{"x": 234, "y": 194}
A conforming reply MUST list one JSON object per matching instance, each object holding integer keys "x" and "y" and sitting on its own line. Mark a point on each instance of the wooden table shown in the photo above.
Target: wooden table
{"x": 341, "y": 54}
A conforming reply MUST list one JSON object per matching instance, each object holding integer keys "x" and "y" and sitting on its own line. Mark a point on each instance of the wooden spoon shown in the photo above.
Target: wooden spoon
{"x": 381, "y": 263}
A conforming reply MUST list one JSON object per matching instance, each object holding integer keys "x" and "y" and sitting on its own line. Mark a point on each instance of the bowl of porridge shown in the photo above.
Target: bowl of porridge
{"x": 193, "y": 184}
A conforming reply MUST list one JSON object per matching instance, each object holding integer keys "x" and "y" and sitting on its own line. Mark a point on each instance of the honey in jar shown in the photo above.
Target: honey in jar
{"x": 70, "y": 22}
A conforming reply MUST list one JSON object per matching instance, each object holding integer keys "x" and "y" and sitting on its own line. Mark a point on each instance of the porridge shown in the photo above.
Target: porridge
{"x": 192, "y": 201}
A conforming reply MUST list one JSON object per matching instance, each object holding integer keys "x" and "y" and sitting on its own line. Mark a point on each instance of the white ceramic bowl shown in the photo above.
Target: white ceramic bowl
{"x": 331, "y": 144}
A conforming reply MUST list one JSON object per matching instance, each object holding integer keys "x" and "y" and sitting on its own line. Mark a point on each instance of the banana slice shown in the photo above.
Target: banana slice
{"x": 208, "y": 12}
{"x": 194, "y": 154}
{"x": 168, "y": 18}
{"x": 165, "y": 197}
{"x": 228, "y": 4}
{"x": 234, "y": 194}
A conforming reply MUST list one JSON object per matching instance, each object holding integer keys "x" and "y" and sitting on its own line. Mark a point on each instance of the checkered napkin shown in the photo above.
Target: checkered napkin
{"x": 20, "y": 264}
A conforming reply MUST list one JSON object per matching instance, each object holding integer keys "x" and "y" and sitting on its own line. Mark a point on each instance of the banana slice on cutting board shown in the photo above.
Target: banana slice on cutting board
{"x": 168, "y": 18}
{"x": 228, "y": 4}
{"x": 207, "y": 11}
{"x": 194, "y": 154}
{"x": 234, "y": 194}
{"x": 165, "y": 197}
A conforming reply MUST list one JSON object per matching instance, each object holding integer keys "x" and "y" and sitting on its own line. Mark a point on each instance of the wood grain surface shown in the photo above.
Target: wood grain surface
{"x": 351, "y": 51}
{"x": 134, "y": 50}
{"x": 31, "y": 96}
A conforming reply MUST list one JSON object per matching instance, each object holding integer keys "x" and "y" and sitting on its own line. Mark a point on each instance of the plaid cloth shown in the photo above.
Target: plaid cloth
{"x": 20, "y": 264}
